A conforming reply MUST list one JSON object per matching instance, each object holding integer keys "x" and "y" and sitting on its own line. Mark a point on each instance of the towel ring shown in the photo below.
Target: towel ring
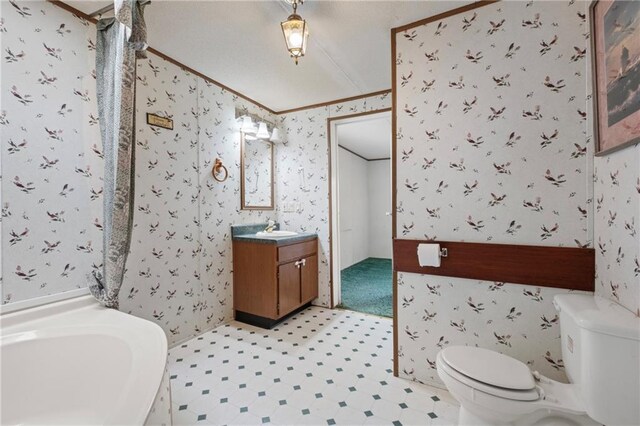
{"x": 216, "y": 170}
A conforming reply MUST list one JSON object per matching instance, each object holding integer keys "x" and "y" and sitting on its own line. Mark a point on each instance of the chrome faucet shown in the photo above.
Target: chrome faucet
{"x": 270, "y": 226}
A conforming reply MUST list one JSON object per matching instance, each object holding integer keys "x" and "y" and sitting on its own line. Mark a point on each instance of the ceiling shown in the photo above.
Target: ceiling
{"x": 368, "y": 137}
{"x": 240, "y": 44}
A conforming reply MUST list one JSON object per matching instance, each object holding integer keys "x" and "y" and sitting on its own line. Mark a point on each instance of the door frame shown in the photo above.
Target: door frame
{"x": 334, "y": 231}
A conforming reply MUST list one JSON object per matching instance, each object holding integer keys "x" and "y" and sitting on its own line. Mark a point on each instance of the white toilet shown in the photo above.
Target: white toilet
{"x": 601, "y": 353}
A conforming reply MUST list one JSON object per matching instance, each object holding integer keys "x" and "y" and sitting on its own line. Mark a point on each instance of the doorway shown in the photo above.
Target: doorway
{"x": 362, "y": 212}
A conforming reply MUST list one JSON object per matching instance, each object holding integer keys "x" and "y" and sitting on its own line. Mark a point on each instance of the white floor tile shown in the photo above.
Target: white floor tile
{"x": 390, "y": 410}
{"x": 286, "y": 415}
{"x": 410, "y": 417}
{"x": 246, "y": 419}
{"x": 360, "y": 400}
{"x": 350, "y": 416}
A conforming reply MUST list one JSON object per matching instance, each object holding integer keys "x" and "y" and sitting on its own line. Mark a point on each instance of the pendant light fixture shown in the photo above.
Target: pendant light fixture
{"x": 296, "y": 33}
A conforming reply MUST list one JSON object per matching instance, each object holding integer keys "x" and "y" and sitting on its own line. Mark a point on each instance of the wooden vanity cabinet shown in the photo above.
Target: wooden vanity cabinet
{"x": 271, "y": 281}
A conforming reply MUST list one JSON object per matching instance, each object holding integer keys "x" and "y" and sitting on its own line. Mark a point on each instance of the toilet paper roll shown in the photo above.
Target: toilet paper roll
{"x": 429, "y": 255}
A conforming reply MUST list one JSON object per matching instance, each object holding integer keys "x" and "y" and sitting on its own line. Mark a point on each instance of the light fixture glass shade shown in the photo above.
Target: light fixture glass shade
{"x": 275, "y": 135}
{"x": 247, "y": 125}
{"x": 263, "y": 133}
{"x": 249, "y": 137}
{"x": 296, "y": 33}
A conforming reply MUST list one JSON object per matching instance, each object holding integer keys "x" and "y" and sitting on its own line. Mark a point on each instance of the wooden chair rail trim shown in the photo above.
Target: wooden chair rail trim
{"x": 558, "y": 267}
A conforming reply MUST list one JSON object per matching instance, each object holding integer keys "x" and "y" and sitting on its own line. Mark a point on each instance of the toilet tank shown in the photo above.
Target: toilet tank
{"x": 601, "y": 353}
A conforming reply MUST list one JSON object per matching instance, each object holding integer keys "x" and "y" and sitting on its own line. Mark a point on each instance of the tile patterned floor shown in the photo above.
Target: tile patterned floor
{"x": 320, "y": 367}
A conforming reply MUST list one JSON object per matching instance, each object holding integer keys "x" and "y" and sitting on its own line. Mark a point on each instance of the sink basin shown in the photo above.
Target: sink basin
{"x": 276, "y": 234}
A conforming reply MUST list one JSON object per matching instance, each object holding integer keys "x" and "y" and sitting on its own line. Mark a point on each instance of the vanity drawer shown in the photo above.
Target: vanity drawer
{"x": 297, "y": 251}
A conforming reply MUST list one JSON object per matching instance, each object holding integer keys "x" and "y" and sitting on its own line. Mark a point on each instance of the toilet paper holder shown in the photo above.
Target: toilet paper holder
{"x": 430, "y": 254}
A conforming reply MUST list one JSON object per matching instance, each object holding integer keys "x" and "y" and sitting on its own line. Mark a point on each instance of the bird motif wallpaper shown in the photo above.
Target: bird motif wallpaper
{"x": 51, "y": 152}
{"x": 493, "y": 145}
{"x": 179, "y": 272}
{"x": 617, "y": 227}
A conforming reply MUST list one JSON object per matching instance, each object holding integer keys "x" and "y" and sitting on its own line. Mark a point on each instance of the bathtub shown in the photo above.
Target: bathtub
{"x": 75, "y": 362}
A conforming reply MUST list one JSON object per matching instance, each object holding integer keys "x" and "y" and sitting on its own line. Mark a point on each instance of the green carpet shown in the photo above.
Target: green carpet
{"x": 366, "y": 287}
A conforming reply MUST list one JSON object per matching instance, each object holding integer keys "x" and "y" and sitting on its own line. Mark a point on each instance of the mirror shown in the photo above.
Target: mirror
{"x": 256, "y": 174}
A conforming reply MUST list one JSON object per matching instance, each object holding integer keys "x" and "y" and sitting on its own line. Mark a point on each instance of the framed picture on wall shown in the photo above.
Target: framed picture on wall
{"x": 615, "y": 33}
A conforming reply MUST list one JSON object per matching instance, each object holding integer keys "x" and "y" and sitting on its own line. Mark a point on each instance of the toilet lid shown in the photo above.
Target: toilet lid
{"x": 489, "y": 367}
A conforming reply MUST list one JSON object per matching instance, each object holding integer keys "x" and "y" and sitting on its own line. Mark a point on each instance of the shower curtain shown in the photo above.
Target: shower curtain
{"x": 120, "y": 41}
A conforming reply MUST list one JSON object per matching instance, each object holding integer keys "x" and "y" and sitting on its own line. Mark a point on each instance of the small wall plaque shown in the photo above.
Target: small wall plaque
{"x": 156, "y": 120}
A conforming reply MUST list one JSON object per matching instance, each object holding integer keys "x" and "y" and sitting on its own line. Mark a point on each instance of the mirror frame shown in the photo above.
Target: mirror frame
{"x": 243, "y": 205}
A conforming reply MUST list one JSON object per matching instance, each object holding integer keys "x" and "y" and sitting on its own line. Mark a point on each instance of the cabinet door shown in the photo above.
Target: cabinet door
{"x": 309, "y": 279}
{"x": 288, "y": 288}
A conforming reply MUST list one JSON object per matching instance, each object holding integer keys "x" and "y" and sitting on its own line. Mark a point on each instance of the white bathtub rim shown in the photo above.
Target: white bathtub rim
{"x": 20, "y": 305}
{"x": 21, "y": 315}
{"x": 49, "y": 320}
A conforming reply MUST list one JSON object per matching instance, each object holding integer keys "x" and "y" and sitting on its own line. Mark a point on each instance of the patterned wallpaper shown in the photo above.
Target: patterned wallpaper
{"x": 492, "y": 146}
{"x": 179, "y": 271}
{"x": 617, "y": 227}
{"x": 302, "y": 165}
{"x": 51, "y": 152}
{"x": 180, "y": 267}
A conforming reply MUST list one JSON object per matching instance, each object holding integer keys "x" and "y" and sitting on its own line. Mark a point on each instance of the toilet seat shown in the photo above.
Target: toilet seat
{"x": 482, "y": 369}
{"x": 490, "y": 367}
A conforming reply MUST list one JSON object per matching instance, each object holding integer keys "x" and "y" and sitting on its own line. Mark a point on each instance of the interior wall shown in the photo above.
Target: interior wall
{"x": 617, "y": 218}
{"x": 302, "y": 175}
{"x": 354, "y": 209}
{"x": 492, "y": 146}
{"x": 51, "y": 155}
{"x": 179, "y": 272}
{"x": 380, "y": 208}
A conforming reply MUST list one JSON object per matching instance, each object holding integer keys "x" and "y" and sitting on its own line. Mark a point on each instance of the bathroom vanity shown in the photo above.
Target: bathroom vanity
{"x": 273, "y": 276}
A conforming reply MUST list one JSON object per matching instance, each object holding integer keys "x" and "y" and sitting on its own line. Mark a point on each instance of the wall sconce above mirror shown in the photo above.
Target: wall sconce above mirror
{"x": 255, "y": 127}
